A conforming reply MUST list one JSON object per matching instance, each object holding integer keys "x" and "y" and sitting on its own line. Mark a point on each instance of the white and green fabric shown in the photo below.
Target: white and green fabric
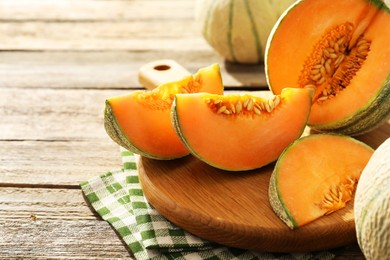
{"x": 118, "y": 198}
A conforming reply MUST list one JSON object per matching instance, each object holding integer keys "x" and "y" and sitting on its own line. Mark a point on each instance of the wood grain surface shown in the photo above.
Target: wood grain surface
{"x": 232, "y": 208}
{"x": 54, "y": 223}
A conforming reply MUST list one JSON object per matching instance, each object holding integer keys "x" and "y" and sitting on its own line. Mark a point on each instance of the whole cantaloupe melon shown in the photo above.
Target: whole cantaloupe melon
{"x": 238, "y": 30}
{"x": 372, "y": 205}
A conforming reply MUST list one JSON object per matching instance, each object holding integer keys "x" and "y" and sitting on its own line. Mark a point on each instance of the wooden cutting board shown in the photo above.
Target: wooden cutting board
{"x": 232, "y": 208}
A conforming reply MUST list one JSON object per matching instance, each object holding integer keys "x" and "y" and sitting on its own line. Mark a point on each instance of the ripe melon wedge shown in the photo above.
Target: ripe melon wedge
{"x": 140, "y": 121}
{"x": 340, "y": 49}
{"x": 240, "y": 132}
{"x": 315, "y": 176}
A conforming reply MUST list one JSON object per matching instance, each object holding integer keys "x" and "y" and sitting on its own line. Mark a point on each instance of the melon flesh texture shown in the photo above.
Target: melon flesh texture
{"x": 141, "y": 121}
{"x": 240, "y": 142}
{"x": 292, "y": 42}
{"x": 308, "y": 169}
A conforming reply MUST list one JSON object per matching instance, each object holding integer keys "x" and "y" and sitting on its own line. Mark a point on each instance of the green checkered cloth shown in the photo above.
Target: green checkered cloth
{"x": 118, "y": 198}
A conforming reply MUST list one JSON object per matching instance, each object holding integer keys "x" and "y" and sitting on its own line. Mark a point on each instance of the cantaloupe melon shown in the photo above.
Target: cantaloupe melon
{"x": 240, "y": 132}
{"x": 372, "y": 205}
{"x": 315, "y": 176}
{"x": 238, "y": 30}
{"x": 341, "y": 50}
{"x": 140, "y": 121}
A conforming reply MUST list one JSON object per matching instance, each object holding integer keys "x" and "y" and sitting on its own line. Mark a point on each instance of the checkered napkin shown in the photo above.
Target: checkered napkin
{"x": 118, "y": 198}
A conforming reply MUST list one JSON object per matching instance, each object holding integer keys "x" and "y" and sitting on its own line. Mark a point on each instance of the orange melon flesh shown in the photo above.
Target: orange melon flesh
{"x": 142, "y": 118}
{"x": 294, "y": 39}
{"x": 308, "y": 169}
{"x": 146, "y": 128}
{"x": 240, "y": 141}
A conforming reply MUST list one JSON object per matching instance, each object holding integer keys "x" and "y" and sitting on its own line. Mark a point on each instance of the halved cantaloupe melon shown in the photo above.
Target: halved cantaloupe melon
{"x": 340, "y": 49}
{"x": 316, "y": 175}
{"x": 240, "y": 132}
{"x": 140, "y": 121}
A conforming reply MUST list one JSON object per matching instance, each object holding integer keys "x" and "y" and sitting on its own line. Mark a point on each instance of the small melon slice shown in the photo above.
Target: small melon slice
{"x": 240, "y": 132}
{"x": 315, "y": 176}
{"x": 140, "y": 121}
{"x": 340, "y": 49}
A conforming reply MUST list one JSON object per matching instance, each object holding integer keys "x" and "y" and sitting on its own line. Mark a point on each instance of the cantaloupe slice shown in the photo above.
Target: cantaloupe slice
{"x": 316, "y": 175}
{"x": 240, "y": 132}
{"x": 140, "y": 121}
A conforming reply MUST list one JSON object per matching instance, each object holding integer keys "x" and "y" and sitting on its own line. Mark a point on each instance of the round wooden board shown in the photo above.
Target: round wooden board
{"x": 232, "y": 208}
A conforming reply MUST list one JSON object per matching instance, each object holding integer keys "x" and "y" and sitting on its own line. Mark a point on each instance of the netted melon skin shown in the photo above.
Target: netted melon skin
{"x": 372, "y": 203}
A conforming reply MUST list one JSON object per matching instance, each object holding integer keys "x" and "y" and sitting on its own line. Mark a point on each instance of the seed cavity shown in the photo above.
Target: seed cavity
{"x": 243, "y": 105}
{"x": 338, "y": 195}
{"x": 333, "y": 64}
{"x": 161, "y": 98}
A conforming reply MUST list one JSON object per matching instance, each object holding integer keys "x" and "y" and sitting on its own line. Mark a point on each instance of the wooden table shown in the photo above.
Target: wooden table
{"x": 59, "y": 61}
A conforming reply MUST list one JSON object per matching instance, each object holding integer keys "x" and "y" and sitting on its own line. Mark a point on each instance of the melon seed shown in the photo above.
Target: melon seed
{"x": 232, "y": 108}
{"x": 226, "y": 112}
{"x": 257, "y": 111}
{"x": 222, "y": 109}
{"x": 271, "y": 104}
{"x": 245, "y": 105}
{"x": 246, "y": 102}
{"x": 238, "y": 107}
{"x": 267, "y": 107}
{"x": 184, "y": 90}
{"x": 276, "y": 101}
{"x": 250, "y": 104}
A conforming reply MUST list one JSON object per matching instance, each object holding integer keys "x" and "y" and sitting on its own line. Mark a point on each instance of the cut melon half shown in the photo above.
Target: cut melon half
{"x": 240, "y": 132}
{"x": 315, "y": 176}
{"x": 140, "y": 121}
{"x": 341, "y": 49}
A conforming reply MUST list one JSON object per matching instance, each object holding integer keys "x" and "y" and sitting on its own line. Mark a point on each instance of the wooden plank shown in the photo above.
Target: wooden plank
{"x": 101, "y": 25}
{"x": 60, "y": 163}
{"x": 92, "y": 10}
{"x": 115, "y": 69}
{"x": 60, "y": 240}
{"x": 44, "y": 223}
{"x": 53, "y": 114}
{"x": 88, "y": 36}
{"x": 44, "y": 204}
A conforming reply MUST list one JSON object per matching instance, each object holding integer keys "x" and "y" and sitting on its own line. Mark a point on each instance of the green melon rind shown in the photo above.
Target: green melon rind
{"x": 375, "y": 113}
{"x": 276, "y": 201}
{"x": 274, "y": 195}
{"x": 176, "y": 126}
{"x": 114, "y": 130}
{"x": 380, "y": 4}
